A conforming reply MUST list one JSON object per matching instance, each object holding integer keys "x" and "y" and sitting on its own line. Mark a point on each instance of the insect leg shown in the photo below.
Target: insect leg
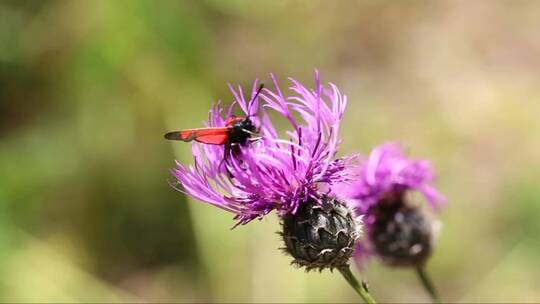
{"x": 251, "y": 139}
{"x": 249, "y": 132}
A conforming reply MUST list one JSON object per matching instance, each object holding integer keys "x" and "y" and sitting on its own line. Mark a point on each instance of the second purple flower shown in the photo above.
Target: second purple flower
{"x": 398, "y": 231}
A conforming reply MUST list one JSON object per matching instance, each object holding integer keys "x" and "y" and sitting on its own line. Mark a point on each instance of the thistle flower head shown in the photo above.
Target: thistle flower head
{"x": 272, "y": 173}
{"x": 388, "y": 172}
{"x": 397, "y": 231}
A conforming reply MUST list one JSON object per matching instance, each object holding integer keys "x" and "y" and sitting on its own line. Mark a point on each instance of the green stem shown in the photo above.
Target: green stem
{"x": 359, "y": 288}
{"x": 428, "y": 285}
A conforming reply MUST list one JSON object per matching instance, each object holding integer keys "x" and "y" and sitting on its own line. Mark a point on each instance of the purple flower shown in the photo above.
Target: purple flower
{"x": 273, "y": 172}
{"x": 387, "y": 170}
{"x": 396, "y": 230}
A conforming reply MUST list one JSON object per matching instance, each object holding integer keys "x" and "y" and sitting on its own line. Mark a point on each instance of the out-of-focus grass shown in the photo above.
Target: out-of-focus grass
{"x": 88, "y": 88}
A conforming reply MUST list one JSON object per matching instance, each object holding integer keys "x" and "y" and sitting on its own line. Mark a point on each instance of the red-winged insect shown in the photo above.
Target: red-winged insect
{"x": 238, "y": 130}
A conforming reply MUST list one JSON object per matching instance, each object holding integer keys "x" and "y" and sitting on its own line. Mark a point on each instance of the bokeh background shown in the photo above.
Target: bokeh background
{"x": 87, "y": 88}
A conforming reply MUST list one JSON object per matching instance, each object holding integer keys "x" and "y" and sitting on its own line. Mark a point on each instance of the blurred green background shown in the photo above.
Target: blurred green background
{"x": 87, "y": 88}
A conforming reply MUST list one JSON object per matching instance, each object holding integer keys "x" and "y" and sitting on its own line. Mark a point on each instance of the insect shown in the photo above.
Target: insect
{"x": 238, "y": 130}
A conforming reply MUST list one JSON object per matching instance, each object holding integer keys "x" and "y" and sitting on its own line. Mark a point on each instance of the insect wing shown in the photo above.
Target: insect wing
{"x": 230, "y": 121}
{"x": 213, "y": 136}
{"x": 234, "y": 119}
